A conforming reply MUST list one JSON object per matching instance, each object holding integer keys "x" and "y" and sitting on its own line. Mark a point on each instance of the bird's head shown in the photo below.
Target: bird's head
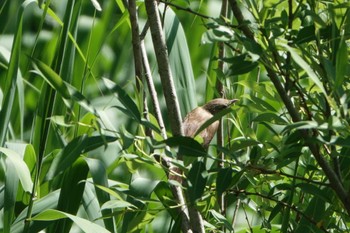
{"x": 216, "y": 105}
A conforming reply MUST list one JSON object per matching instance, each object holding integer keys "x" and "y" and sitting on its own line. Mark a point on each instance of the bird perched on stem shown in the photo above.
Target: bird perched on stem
{"x": 198, "y": 116}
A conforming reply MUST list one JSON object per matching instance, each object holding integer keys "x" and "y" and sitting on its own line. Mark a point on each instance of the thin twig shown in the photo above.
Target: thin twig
{"x": 187, "y": 9}
{"x": 294, "y": 208}
{"x": 220, "y": 90}
{"x": 276, "y": 172}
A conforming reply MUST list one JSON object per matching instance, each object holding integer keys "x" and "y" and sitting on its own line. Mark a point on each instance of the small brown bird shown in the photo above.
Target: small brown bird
{"x": 198, "y": 116}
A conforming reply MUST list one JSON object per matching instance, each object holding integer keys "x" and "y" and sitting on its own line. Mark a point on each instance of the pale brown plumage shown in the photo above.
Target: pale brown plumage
{"x": 200, "y": 115}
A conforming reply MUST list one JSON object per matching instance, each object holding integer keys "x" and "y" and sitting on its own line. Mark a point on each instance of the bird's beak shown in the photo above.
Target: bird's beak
{"x": 233, "y": 101}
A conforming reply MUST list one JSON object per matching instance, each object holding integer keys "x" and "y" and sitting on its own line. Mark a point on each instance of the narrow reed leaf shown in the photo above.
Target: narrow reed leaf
{"x": 180, "y": 62}
{"x": 12, "y": 74}
{"x": 83, "y": 224}
{"x": 20, "y": 168}
{"x": 73, "y": 150}
{"x": 305, "y": 66}
{"x": 99, "y": 176}
{"x": 73, "y": 185}
{"x": 11, "y": 187}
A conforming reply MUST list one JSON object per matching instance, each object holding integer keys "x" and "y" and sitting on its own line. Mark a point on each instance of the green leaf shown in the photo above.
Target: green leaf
{"x": 52, "y": 78}
{"x": 221, "y": 219}
{"x": 217, "y": 33}
{"x": 197, "y": 179}
{"x": 73, "y": 150}
{"x": 342, "y": 63}
{"x": 99, "y": 176}
{"x": 242, "y": 143}
{"x": 73, "y": 184}
{"x": 305, "y": 34}
{"x": 223, "y": 180}
{"x": 20, "y": 168}
{"x": 186, "y": 146}
{"x": 216, "y": 117}
{"x": 67, "y": 91}
{"x": 305, "y": 66}
{"x": 180, "y": 62}
{"x": 83, "y": 224}
{"x": 142, "y": 187}
{"x": 124, "y": 98}
{"x": 47, "y": 202}
{"x": 12, "y": 74}
{"x": 241, "y": 65}
{"x": 10, "y": 189}
{"x": 315, "y": 191}
{"x": 117, "y": 205}
{"x": 166, "y": 197}
{"x": 263, "y": 103}
{"x": 270, "y": 117}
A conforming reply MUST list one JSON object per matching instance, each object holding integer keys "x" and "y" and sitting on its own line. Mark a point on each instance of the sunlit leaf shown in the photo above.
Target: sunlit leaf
{"x": 85, "y": 225}
{"x": 20, "y": 167}
{"x": 73, "y": 150}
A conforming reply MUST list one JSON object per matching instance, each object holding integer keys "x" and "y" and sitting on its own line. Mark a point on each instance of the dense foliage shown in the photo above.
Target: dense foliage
{"x": 83, "y": 149}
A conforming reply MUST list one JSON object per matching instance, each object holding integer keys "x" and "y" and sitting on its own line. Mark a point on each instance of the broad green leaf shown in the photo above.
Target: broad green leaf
{"x": 85, "y": 225}
{"x": 270, "y": 117}
{"x": 165, "y": 195}
{"x": 99, "y": 176}
{"x": 73, "y": 185}
{"x": 241, "y": 65}
{"x": 52, "y": 78}
{"x": 315, "y": 191}
{"x": 216, "y": 117}
{"x": 180, "y": 62}
{"x": 11, "y": 187}
{"x": 221, "y": 219}
{"x": 342, "y": 63}
{"x": 217, "y": 34}
{"x": 242, "y": 143}
{"x": 305, "y": 34}
{"x": 20, "y": 168}
{"x": 316, "y": 210}
{"x": 263, "y": 103}
{"x": 92, "y": 206}
{"x": 110, "y": 192}
{"x": 47, "y": 202}
{"x": 73, "y": 150}
{"x": 125, "y": 99}
{"x": 186, "y": 146}
{"x": 223, "y": 180}
{"x": 118, "y": 205}
{"x": 67, "y": 91}
{"x": 142, "y": 187}
{"x": 197, "y": 179}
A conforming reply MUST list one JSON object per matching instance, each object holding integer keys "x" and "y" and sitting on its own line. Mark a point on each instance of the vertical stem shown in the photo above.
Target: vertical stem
{"x": 136, "y": 45}
{"x": 166, "y": 78}
{"x": 171, "y": 100}
{"x": 219, "y": 88}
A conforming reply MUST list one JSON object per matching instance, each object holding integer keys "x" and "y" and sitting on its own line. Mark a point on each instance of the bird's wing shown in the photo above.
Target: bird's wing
{"x": 195, "y": 120}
